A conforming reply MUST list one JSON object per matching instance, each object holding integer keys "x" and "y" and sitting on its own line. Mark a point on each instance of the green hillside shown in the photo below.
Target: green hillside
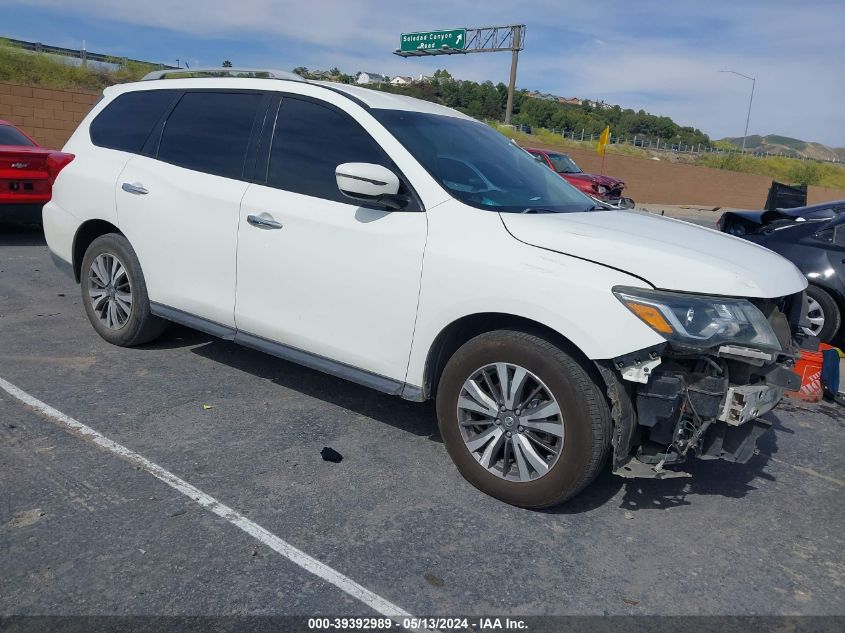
{"x": 787, "y": 146}
{"x": 37, "y": 69}
{"x": 487, "y": 101}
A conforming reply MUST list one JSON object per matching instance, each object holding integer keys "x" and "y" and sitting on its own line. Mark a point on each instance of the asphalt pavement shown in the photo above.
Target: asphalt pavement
{"x": 84, "y": 531}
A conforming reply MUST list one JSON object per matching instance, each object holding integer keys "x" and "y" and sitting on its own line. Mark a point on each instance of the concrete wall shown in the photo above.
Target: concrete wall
{"x": 48, "y": 116}
{"x": 821, "y": 194}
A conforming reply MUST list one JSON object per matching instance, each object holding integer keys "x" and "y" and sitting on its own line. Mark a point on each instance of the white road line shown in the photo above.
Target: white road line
{"x": 308, "y": 563}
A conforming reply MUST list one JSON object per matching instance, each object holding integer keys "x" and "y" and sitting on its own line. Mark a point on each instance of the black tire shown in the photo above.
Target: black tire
{"x": 141, "y": 326}
{"x": 582, "y": 403}
{"x": 830, "y": 311}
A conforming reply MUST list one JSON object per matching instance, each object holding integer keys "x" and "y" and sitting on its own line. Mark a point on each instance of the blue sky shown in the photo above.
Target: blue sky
{"x": 660, "y": 56}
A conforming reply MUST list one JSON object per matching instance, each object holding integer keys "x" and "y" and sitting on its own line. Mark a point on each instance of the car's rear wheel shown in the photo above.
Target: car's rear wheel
{"x": 115, "y": 295}
{"x": 823, "y": 314}
{"x": 522, "y": 420}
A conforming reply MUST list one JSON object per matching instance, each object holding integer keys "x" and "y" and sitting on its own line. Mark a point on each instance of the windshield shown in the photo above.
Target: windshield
{"x": 479, "y": 166}
{"x": 563, "y": 164}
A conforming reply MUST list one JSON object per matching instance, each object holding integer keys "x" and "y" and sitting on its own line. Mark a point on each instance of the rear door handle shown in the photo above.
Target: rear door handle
{"x": 134, "y": 187}
{"x": 263, "y": 223}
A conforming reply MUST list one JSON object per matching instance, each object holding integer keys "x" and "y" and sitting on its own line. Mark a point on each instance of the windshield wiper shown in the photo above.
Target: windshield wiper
{"x": 538, "y": 210}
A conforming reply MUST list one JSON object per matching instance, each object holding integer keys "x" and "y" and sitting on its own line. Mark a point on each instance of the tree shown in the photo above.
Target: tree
{"x": 227, "y": 64}
{"x": 302, "y": 71}
{"x": 488, "y": 101}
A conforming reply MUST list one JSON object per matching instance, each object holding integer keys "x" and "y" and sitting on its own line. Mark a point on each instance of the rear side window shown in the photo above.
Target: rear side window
{"x": 126, "y": 122}
{"x": 209, "y": 132}
{"x": 311, "y": 140}
{"x": 13, "y": 136}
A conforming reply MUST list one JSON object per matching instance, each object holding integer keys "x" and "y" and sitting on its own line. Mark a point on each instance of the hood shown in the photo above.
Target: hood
{"x": 667, "y": 253}
{"x": 606, "y": 181}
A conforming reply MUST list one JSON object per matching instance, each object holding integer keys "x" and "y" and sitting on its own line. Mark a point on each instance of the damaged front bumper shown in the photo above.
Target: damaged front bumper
{"x": 669, "y": 405}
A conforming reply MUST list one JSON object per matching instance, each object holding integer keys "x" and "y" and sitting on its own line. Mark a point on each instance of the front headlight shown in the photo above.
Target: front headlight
{"x": 699, "y": 322}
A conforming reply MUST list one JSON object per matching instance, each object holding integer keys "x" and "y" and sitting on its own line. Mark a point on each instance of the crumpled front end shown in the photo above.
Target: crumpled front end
{"x": 679, "y": 399}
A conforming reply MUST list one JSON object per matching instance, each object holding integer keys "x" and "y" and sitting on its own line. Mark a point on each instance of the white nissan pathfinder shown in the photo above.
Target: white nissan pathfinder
{"x": 407, "y": 247}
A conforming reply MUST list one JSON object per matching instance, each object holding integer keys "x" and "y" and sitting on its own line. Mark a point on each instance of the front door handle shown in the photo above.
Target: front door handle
{"x": 134, "y": 187}
{"x": 263, "y": 223}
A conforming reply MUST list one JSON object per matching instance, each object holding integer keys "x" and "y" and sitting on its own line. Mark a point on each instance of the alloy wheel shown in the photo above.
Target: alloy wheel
{"x": 510, "y": 422}
{"x": 815, "y": 315}
{"x": 110, "y": 291}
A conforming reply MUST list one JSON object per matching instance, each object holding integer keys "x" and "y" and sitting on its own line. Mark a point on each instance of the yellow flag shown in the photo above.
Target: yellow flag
{"x": 604, "y": 139}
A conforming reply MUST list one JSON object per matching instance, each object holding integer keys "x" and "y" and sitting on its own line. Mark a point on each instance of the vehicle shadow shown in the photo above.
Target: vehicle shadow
{"x": 12, "y": 234}
{"x": 412, "y": 417}
{"x": 708, "y": 478}
{"x": 177, "y": 336}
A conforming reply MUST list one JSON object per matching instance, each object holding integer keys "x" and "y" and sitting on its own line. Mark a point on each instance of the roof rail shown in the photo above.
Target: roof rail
{"x": 252, "y": 73}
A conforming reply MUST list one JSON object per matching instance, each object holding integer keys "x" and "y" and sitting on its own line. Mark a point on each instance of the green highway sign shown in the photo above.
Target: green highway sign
{"x": 430, "y": 40}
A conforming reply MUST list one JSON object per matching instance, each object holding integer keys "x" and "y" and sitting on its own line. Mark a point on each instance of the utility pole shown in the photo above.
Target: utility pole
{"x": 750, "y": 101}
{"x": 517, "y": 41}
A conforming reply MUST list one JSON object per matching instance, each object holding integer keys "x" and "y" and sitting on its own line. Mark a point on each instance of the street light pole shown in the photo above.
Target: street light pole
{"x": 750, "y": 101}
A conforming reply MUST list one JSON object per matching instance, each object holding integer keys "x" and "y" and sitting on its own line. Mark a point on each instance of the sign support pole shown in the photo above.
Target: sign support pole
{"x": 517, "y": 40}
{"x": 487, "y": 39}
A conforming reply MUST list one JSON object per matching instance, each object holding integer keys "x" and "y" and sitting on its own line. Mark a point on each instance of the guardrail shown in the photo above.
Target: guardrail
{"x": 666, "y": 145}
{"x": 82, "y": 54}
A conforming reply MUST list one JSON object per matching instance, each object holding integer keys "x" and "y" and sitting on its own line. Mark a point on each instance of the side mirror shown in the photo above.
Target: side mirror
{"x": 839, "y": 235}
{"x": 370, "y": 183}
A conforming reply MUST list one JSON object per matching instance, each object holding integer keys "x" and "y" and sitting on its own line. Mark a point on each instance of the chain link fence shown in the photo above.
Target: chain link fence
{"x": 657, "y": 144}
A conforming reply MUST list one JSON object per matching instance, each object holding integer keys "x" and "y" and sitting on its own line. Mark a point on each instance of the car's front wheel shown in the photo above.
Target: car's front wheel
{"x": 522, "y": 419}
{"x": 822, "y": 313}
{"x": 115, "y": 295}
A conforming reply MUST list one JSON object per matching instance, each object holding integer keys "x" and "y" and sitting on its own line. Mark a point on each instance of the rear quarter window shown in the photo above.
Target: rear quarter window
{"x": 126, "y": 122}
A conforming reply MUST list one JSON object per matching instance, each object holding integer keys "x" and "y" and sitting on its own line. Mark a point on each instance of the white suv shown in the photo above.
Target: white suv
{"x": 409, "y": 248}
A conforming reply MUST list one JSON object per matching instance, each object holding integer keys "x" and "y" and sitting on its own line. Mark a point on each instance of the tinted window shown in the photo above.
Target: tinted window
{"x": 310, "y": 142}
{"x": 128, "y": 120}
{"x": 209, "y": 131}
{"x": 12, "y": 136}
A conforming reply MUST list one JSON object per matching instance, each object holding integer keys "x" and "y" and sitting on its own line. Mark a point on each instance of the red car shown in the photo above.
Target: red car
{"x": 27, "y": 173}
{"x": 604, "y": 188}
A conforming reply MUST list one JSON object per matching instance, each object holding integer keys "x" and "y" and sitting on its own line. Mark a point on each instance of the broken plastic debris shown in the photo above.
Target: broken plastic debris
{"x": 207, "y": 407}
{"x": 331, "y": 455}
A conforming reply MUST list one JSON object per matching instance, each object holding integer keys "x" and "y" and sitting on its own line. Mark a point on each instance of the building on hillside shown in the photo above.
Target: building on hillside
{"x": 546, "y": 96}
{"x": 423, "y": 79}
{"x": 401, "y": 81}
{"x": 370, "y": 78}
{"x": 569, "y": 100}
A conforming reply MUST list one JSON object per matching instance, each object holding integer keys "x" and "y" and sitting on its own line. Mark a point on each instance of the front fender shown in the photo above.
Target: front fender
{"x": 472, "y": 265}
